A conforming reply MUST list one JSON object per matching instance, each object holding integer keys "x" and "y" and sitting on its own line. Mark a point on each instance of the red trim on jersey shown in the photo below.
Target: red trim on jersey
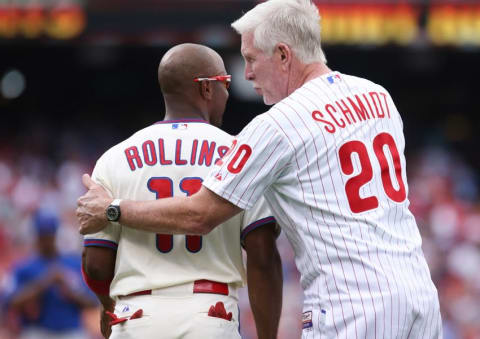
{"x": 254, "y": 226}
{"x": 100, "y": 287}
{"x": 100, "y": 243}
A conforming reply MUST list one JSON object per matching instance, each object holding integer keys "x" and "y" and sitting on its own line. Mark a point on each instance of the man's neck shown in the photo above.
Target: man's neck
{"x": 184, "y": 116}
{"x": 179, "y": 110}
{"x": 306, "y": 73}
{"x": 313, "y": 71}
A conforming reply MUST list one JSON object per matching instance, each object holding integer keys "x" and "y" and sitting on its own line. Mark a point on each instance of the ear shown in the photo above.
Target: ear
{"x": 206, "y": 90}
{"x": 284, "y": 54}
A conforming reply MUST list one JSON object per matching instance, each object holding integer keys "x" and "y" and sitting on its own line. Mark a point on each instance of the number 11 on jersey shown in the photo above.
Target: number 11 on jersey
{"x": 163, "y": 188}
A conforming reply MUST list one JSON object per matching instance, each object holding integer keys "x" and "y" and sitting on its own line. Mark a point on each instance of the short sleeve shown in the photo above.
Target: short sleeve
{"x": 258, "y": 216}
{"x": 101, "y": 174}
{"x": 110, "y": 235}
{"x": 252, "y": 164}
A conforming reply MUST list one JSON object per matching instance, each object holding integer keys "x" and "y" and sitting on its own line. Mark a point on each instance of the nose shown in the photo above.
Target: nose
{"x": 248, "y": 73}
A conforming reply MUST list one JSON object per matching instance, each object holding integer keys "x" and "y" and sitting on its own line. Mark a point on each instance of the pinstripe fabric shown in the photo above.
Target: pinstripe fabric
{"x": 361, "y": 264}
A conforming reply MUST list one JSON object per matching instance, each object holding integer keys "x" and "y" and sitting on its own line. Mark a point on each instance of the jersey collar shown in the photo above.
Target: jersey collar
{"x": 181, "y": 120}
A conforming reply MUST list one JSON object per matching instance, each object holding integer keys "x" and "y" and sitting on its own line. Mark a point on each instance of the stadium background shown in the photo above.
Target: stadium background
{"x": 76, "y": 77}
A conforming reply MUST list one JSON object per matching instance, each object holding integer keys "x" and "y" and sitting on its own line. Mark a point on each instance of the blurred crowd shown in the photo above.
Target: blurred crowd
{"x": 444, "y": 198}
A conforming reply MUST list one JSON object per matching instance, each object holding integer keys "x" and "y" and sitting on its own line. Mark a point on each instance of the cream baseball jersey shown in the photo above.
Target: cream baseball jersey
{"x": 166, "y": 159}
{"x": 329, "y": 160}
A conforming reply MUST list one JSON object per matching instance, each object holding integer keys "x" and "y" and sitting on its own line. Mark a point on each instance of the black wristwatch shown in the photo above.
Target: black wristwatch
{"x": 113, "y": 211}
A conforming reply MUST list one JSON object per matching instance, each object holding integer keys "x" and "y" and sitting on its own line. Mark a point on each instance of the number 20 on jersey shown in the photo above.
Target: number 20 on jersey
{"x": 352, "y": 186}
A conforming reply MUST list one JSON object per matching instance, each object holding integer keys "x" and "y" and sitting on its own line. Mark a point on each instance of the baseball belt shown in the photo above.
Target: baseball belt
{"x": 199, "y": 286}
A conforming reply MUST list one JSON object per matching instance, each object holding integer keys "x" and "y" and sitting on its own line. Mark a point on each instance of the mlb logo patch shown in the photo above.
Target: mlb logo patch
{"x": 307, "y": 320}
{"x": 332, "y": 78}
{"x": 179, "y": 126}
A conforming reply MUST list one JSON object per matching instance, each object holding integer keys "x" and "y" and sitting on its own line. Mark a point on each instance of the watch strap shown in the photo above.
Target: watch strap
{"x": 116, "y": 202}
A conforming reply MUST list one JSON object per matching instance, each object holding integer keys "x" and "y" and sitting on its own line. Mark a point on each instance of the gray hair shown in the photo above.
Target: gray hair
{"x": 293, "y": 22}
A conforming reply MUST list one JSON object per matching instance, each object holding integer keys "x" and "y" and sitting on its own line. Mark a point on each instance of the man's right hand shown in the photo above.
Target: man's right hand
{"x": 91, "y": 207}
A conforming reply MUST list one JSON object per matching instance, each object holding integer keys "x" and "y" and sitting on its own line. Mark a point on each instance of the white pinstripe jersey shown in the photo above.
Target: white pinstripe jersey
{"x": 329, "y": 160}
{"x": 162, "y": 160}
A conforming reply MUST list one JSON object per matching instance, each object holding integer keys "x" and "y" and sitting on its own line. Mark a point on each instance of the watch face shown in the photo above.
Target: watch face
{"x": 113, "y": 213}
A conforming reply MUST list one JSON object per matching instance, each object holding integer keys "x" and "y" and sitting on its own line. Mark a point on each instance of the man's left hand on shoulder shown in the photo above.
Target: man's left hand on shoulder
{"x": 91, "y": 207}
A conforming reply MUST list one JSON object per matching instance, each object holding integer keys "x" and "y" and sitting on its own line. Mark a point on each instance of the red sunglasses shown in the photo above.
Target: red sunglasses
{"x": 226, "y": 79}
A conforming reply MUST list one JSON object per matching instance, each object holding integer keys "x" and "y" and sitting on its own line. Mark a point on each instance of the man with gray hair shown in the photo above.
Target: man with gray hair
{"x": 329, "y": 159}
